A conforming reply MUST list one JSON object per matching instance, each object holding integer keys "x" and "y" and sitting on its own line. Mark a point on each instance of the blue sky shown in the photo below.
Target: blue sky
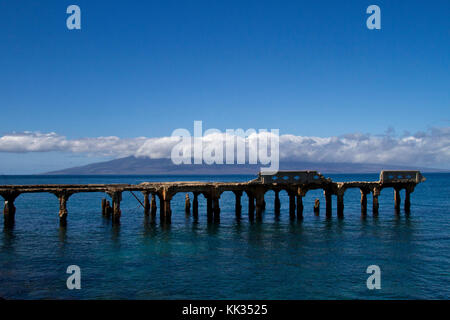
{"x": 145, "y": 68}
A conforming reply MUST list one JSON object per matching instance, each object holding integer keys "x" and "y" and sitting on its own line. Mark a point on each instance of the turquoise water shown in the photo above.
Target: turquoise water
{"x": 235, "y": 259}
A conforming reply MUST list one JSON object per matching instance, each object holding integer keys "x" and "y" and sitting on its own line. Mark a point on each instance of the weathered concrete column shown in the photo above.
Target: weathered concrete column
{"x": 259, "y": 197}
{"x": 375, "y": 203}
{"x": 63, "y": 197}
{"x": 153, "y": 206}
{"x": 408, "y": 190}
{"x": 167, "y": 211}
{"x": 146, "y": 204}
{"x": 328, "y": 203}
{"x": 251, "y": 206}
{"x": 187, "y": 204}
{"x": 238, "y": 205}
{"x": 340, "y": 202}
{"x": 363, "y": 203}
{"x": 397, "y": 200}
{"x": 277, "y": 203}
{"x": 165, "y": 208}
{"x": 195, "y": 206}
{"x": 291, "y": 205}
{"x": 116, "y": 197}
{"x": 108, "y": 209}
{"x": 299, "y": 207}
{"x": 103, "y": 206}
{"x": 216, "y": 206}
{"x": 161, "y": 208}
{"x": 9, "y": 210}
{"x": 300, "y": 194}
{"x": 209, "y": 208}
{"x": 340, "y": 205}
{"x": 317, "y": 207}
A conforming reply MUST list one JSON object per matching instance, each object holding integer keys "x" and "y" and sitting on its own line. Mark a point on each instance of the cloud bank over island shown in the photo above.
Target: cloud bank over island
{"x": 427, "y": 148}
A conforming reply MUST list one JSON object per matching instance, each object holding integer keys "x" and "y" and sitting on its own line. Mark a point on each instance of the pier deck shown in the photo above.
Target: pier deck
{"x": 295, "y": 183}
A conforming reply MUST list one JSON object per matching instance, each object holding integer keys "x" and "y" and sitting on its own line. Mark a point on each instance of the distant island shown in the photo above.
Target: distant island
{"x": 146, "y": 166}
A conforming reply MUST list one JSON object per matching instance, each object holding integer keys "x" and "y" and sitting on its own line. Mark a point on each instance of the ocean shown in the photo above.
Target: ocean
{"x": 275, "y": 258}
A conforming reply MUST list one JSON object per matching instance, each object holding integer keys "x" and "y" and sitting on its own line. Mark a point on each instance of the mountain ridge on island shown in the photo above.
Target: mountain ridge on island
{"x": 145, "y": 166}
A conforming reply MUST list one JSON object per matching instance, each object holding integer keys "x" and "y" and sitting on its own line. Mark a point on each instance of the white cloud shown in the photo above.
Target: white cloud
{"x": 430, "y": 148}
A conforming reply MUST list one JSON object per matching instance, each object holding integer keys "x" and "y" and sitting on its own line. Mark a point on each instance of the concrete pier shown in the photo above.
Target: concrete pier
{"x": 340, "y": 204}
{"x": 317, "y": 207}
{"x": 153, "y": 206}
{"x": 238, "y": 205}
{"x": 397, "y": 200}
{"x": 187, "y": 204}
{"x": 295, "y": 183}
{"x": 277, "y": 203}
{"x": 375, "y": 203}
{"x": 63, "y": 196}
{"x": 363, "y": 202}
{"x": 146, "y": 204}
{"x": 195, "y": 206}
{"x": 291, "y": 195}
{"x": 328, "y": 203}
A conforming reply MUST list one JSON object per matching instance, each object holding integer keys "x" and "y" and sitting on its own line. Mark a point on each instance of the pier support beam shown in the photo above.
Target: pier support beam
{"x": 161, "y": 208}
{"x": 340, "y": 203}
{"x": 106, "y": 209}
{"x": 187, "y": 204}
{"x": 167, "y": 212}
{"x": 195, "y": 206}
{"x": 328, "y": 203}
{"x": 291, "y": 205}
{"x": 300, "y": 194}
{"x": 63, "y": 196}
{"x": 251, "y": 206}
{"x": 103, "y": 207}
{"x": 116, "y": 197}
{"x": 146, "y": 204}
{"x": 316, "y": 207}
{"x": 238, "y": 205}
{"x": 260, "y": 203}
{"x": 9, "y": 210}
{"x": 408, "y": 190}
{"x": 397, "y": 200}
{"x": 375, "y": 203}
{"x": 165, "y": 209}
{"x": 277, "y": 203}
{"x": 216, "y": 207}
{"x": 153, "y": 206}
{"x": 363, "y": 203}
{"x": 209, "y": 208}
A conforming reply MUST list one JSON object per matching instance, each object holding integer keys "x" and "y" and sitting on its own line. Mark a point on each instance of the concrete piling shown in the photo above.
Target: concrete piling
{"x": 397, "y": 200}
{"x": 340, "y": 204}
{"x": 195, "y": 206}
{"x": 291, "y": 205}
{"x": 153, "y": 207}
{"x": 146, "y": 204}
{"x": 187, "y": 204}
{"x": 363, "y": 203}
{"x": 238, "y": 205}
{"x": 277, "y": 203}
{"x": 316, "y": 207}
{"x": 328, "y": 203}
{"x": 63, "y": 197}
{"x": 375, "y": 203}
{"x": 251, "y": 207}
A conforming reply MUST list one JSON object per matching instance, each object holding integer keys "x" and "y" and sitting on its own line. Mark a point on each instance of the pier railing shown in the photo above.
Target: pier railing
{"x": 295, "y": 183}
